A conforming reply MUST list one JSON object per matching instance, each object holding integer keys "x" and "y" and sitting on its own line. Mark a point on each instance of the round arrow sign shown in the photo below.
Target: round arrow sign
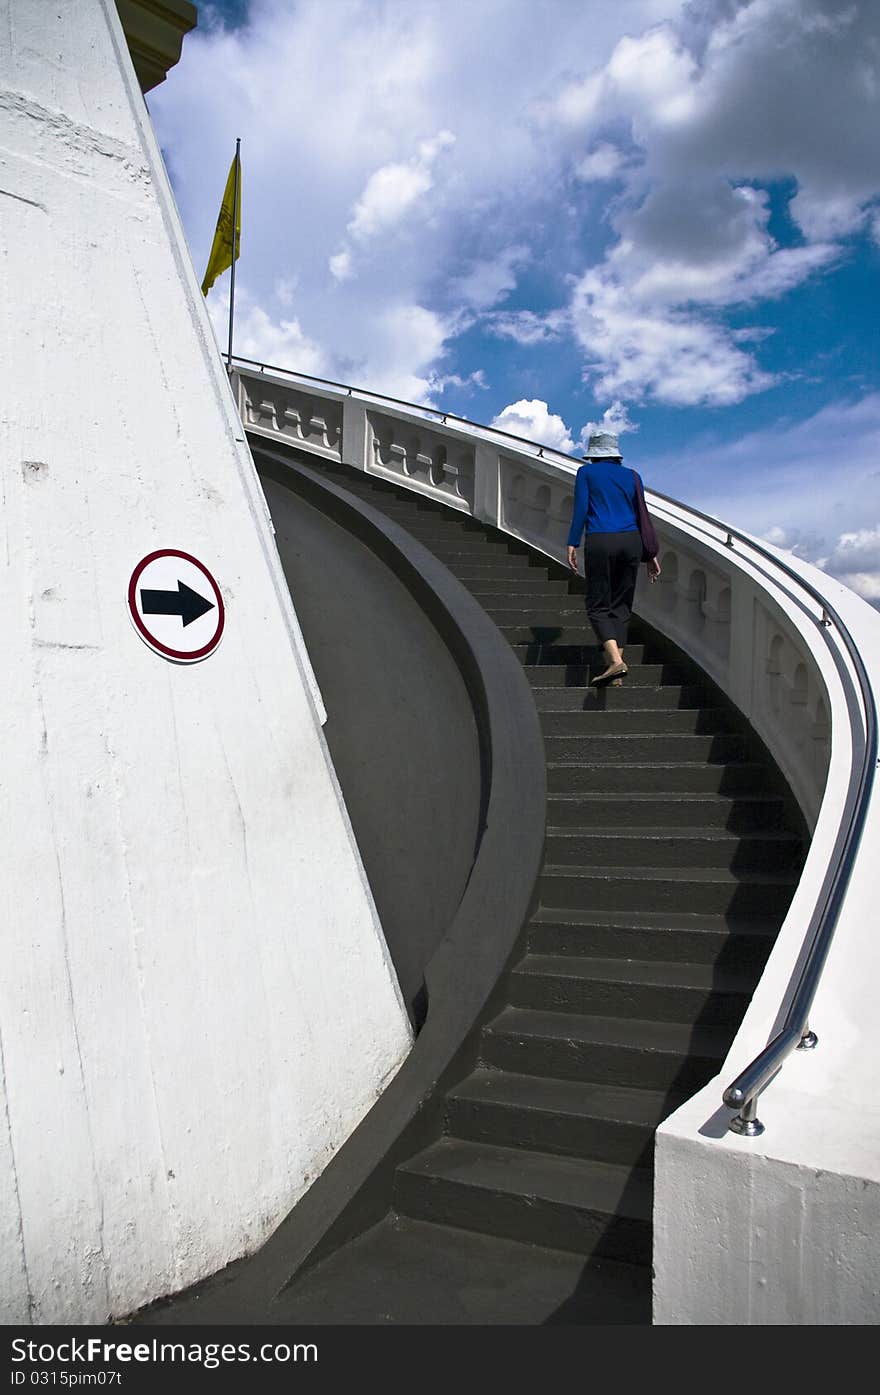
{"x": 175, "y": 605}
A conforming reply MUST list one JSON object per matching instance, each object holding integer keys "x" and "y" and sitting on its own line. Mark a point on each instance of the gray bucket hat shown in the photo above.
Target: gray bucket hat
{"x": 603, "y": 445}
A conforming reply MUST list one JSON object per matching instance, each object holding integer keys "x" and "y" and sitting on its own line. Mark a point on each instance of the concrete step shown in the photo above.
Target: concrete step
{"x": 650, "y": 990}
{"x": 632, "y": 888}
{"x": 772, "y": 850}
{"x": 617, "y": 720}
{"x": 557, "y": 614}
{"x": 657, "y": 747}
{"x": 727, "y": 941}
{"x": 473, "y": 547}
{"x": 608, "y": 1050}
{"x": 497, "y": 567}
{"x": 536, "y": 646}
{"x": 743, "y": 814}
{"x": 404, "y": 1272}
{"x": 591, "y": 1208}
{"x": 666, "y": 776}
{"x": 452, "y": 539}
{"x": 487, "y": 592}
{"x": 544, "y": 671}
{"x": 673, "y": 697}
{"x": 573, "y": 1117}
{"x": 573, "y": 642}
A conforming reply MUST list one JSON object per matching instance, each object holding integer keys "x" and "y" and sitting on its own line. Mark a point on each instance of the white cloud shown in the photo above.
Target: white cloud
{"x": 350, "y": 180}
{"x": 406, "y": 341}
{"x": 602, "y": 162}
{"x": 525, "y": 327}
{"x": 723, "y": 99}
{"x": 535, "y": 422}
{"x": 476, "y": 379}
{"x": 353, "y": 189}
{"x": 340, "y": 265}
{"x": 285, "y": 289}
{"x": 654, "y": 74}
{"x": 707, "y": 242}
{"x": 614, "y": 419}
{"x": 810, "y": 485}
{"x": 855, "y": 560}
{"x": 259, "y": 337}
{"x": 673, "y": 357}
{"x": 391, "y": 190}
{"x": 577, "y": 103}
{"x": 490, "y": 278}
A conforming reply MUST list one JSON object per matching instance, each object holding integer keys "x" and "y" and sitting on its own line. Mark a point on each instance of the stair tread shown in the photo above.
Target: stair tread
{"x": 583, "y": 1184}
{"x": 654, "y": 972}
{"x": 709, "y": 797}
{"x": 677, "y": 1037}
{"x": 670, "y": 874}
{"x": 640, "y": 832}
{"x": 684, "y": 739}
{"x": 651, "y": 764}
{"x": 581, "y": 1098}
{"x": 765, "y": 926}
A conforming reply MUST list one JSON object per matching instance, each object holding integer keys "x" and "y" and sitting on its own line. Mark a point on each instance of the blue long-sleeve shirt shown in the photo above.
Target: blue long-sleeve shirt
{"x": 604, "y": 500}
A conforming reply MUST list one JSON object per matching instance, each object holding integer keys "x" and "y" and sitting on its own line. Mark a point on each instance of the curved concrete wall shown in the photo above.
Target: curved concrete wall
{"x": 401, "y": 727}
{"x": 782, "y": 1228}
{"x": 197, "y": 1005}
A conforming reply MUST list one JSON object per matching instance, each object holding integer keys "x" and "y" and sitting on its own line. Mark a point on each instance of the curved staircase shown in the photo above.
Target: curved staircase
{"x": 673, "y": 848}
{"x": 672, "y": 852}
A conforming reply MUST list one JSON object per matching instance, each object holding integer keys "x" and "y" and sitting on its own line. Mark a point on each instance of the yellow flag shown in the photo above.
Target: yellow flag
{"x": 221, "y": 247}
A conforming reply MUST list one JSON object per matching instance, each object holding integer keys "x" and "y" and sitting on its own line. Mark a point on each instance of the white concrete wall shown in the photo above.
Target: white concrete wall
{"x": 196, "y": 1001}
{"x": 784, "y": 1228}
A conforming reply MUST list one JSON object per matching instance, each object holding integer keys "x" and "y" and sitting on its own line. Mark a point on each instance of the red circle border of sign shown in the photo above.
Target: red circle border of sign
{"x": 181, "y": 655}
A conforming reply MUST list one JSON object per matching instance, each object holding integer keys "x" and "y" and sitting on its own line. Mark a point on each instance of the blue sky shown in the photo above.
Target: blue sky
{"x": 651, "y": 213}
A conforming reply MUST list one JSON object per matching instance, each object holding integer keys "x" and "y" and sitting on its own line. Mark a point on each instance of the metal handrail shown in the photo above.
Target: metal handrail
{"x": 742, "y": 1094}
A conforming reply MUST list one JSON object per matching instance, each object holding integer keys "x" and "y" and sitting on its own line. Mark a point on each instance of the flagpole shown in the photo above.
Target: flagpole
{"x": 232, "y": 282}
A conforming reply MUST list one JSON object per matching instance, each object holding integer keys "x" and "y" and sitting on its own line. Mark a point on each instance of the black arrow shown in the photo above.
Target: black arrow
{"x": 188, "y": 604}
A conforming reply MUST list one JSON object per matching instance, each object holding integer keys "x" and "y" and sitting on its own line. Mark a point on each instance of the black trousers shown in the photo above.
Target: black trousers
{"x": 611, "y": 567}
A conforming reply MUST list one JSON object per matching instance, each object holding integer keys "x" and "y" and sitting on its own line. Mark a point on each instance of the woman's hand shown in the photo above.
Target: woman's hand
{"x": 653, "y": 566}
{"x": 573, "y": 558}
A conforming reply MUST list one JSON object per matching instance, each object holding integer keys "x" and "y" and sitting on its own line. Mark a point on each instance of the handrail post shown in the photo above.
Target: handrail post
{"x": 747, "y": 1122}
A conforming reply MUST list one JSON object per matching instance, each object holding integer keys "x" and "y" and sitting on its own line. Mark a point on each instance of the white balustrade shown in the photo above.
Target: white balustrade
{"x": 310, "y": 420}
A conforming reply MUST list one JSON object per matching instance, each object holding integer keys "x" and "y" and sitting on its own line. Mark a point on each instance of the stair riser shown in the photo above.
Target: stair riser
{"x": 536, "y": 592}
{"x": 420, "y": 514}
{"x": 523, "y": 1218}
{"x": 664, "y": 946}
{"x": 503, "y": 567}
{"x": 560, "y": 640}
{"x": 548, "y": 652}
{"x": 545, "y": 670}
{"x": 452, "y": 540}
{"x": 504, "y": 1125}
{"x": 609, "y": 1065}
{"x": 613, "y": 722}
{"x": 702, "y": 898}
{"x": 654, "y": 748}
{"x": 613, "y": 778}
{"x": 481, "y": 553}
{"x": 612, "y": 701}
{"x": 552, "y": 617}
{"x": 743, "y": 816}
{"x": 751, "y": 855}
{"x": 644, "y": 1002}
